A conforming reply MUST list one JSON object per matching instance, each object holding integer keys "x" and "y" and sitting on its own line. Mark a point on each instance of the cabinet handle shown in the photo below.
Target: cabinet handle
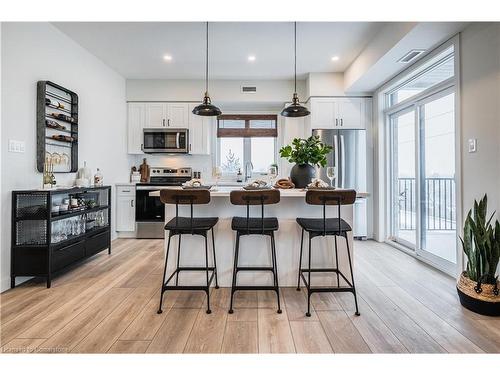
{"x": 131, "y": 203}
{"x": 125, "y": 191}
{"x": 168, "y": 122}
{"x": 336, "y": 122}
{"x": 190, "y": 147}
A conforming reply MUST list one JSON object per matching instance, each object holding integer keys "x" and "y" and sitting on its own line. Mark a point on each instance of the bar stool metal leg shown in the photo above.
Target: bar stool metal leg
{"x": 178, "y": 260}
{"x": 275, "y": 271}
{"x": 235, "y": 267}
{"x": 164, "y": 273}
{"x": 208, "y": 278}
{"x": 352, "y": 276}
{"x": 215, "y": 260}
{"x": 337, "y": 261}
{"x": 300, "y": 260}
{"x": 308, "y": 313}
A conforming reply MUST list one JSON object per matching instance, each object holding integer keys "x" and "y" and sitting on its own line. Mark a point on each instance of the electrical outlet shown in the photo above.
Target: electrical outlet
{"x": 17, "y": 146}
{"x": 472, "y": 145}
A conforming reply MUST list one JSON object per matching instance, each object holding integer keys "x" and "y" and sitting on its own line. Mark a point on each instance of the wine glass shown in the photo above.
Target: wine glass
{"x": 330, "y": 173}
{"x": 217, "y": 174}
{"x": 272, "y": 173}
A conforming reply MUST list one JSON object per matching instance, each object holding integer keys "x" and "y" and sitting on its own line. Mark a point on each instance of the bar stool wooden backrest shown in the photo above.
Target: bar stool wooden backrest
{"x": 184, "y": 197}
{"x": 252, "y": 198}
{"x": 323, "y": 197}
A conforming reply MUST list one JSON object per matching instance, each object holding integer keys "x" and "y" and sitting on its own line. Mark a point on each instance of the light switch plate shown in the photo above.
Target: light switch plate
{"x": 16, "y": 146}
{"x": 472, "y": 145}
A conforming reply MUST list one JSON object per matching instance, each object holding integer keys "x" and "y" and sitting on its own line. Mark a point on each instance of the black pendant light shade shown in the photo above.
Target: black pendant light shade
{"x": 206, "y": 108}
{"x": 295, "y": 109}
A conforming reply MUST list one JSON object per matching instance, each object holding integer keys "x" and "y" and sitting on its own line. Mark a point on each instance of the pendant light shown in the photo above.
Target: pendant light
{"x": 206, "y": 108}
{"x": 295, "y": 109}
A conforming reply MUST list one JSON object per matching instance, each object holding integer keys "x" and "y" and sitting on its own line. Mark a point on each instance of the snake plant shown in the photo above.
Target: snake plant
{"x": 481, "y": 244}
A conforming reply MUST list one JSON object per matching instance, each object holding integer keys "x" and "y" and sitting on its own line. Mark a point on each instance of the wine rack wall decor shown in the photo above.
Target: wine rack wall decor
{"x": 57, "y": 128}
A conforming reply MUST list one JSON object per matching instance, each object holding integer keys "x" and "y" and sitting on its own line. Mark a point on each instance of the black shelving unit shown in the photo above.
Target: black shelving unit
{"x": 44, "y": 243}
{"x": 45, "y": 143}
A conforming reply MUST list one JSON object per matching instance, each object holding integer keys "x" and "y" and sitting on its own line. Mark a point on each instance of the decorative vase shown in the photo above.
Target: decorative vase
{"x": 302, "y": 174}
{"x": 485, "y": 301}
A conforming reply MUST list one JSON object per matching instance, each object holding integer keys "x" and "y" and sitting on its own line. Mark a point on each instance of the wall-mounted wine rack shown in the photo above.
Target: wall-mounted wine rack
{"x": 57, "y": 128}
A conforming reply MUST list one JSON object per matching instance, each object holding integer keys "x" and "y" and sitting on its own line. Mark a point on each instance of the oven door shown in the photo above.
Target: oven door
{"x": 158, "y": 140}
{"x": 147, "y": 208}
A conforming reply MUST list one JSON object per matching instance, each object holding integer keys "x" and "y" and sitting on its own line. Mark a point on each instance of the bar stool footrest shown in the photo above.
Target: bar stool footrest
{"x": 245, "y": 268}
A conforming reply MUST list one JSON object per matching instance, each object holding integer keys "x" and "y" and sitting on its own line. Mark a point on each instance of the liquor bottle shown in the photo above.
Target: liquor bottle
{"x": 98, "y": 178}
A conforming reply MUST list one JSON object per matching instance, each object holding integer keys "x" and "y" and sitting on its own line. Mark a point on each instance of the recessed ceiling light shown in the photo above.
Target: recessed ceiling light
{"x": 167, "y": 58}
{"x": 335, "y": 58}
{"x": 251, "y": 58}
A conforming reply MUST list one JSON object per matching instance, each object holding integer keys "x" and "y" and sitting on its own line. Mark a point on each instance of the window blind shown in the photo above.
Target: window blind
{"x": 247, "y": 126}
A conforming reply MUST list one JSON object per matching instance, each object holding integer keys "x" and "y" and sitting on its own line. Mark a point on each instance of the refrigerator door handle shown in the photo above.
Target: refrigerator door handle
{"x": 342, "y": 159}
{"x": 336, "y": 159}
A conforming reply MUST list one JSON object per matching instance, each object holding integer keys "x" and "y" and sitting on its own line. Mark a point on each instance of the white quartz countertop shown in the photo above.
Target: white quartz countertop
{"x": 224, "y": 191}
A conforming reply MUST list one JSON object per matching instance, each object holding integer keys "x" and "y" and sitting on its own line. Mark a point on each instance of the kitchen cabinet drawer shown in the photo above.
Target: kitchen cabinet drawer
{"x": 66, "y": 255}
{"x": 125, "y": 190}
{"x": 96, "y": 243}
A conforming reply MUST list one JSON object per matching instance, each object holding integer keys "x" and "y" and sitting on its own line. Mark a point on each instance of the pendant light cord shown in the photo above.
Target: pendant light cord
{"x": 206, "y": 68}
{"x": 295, "y": 55}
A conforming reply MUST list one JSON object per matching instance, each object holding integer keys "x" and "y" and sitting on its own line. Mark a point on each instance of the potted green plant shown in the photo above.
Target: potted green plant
{"x": 306, "y": 154}
{"x": 478, "y": 285}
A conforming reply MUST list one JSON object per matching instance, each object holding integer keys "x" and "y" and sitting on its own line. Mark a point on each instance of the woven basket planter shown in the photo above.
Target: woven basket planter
{"x": 485, "y": 301}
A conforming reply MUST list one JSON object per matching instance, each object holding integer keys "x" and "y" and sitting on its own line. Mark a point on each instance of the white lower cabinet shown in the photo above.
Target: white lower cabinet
{"x": 125, "y": 208}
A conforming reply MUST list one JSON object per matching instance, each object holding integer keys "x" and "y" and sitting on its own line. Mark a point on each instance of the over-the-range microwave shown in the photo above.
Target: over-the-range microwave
{"x": 165, "y": 140}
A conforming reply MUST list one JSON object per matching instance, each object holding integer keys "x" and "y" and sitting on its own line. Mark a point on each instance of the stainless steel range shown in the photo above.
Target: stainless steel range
{"x": 149, "y": 211}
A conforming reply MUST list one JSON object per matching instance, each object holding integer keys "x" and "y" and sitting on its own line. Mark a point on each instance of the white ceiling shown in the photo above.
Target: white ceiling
{"x": 136, "y": 49}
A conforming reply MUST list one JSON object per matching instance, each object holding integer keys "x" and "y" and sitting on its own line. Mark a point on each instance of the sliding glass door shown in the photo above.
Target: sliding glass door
{"x": 423, "y": 195}
{"x": 438, "y": 236}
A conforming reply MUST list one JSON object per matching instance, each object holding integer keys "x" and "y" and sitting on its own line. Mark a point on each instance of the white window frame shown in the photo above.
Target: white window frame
{"x": 384, "y": 145}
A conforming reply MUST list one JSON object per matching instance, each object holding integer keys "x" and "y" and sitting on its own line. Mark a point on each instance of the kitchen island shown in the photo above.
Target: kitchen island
{"x": 255, "y": 249}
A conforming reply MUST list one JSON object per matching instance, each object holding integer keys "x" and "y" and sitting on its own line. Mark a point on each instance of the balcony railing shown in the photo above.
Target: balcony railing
{"x": 439, "y": 211}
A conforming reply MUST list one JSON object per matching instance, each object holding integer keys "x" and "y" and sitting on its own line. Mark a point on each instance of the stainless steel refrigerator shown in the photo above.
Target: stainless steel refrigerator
{"x": 349, "y": 160}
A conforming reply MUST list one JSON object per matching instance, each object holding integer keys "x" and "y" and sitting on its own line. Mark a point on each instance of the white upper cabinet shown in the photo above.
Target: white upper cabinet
{"x": 136, "y": 119}
{"x": 323, "y": 113}
{"x": 350, "y": 113}
{"x": 200, "y": 132}
{"x": 340, "y": 113}
{"x": 162, "y": 115}
{"x": 156, "y": 115}
{"x": 177, "y": 115}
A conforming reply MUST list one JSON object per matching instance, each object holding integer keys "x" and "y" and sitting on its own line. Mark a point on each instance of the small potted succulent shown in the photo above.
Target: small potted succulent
{"x": 477, "y": 286}
{"x": 306, "y": 154}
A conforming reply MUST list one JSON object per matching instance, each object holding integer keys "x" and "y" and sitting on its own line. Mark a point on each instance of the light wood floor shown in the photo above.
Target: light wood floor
{"x": 109, "y": 303}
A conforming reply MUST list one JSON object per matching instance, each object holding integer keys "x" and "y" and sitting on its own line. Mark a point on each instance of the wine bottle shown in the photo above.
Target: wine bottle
{"x": 54, "y": 103}
{"x": 54, "y": 125}
{"x": 60, "y": 116}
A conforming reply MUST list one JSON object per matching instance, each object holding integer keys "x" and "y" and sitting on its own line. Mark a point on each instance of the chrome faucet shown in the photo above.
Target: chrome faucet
{"x": 248, "y": 174}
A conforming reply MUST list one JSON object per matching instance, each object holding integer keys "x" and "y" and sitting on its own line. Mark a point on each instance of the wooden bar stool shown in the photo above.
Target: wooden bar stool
{"x": 326, "y": 227}
{"x": 193, "y": 226}
{"x": 255, "y": 225}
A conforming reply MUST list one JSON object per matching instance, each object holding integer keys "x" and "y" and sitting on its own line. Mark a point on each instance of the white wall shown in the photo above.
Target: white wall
{"x": 325, "y": 84}
{"x": 38, "y": 51}
{"x": 222, "y": 92}
{"x": 480, "y": 113}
